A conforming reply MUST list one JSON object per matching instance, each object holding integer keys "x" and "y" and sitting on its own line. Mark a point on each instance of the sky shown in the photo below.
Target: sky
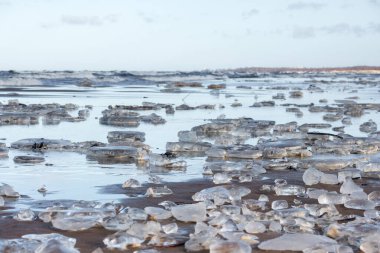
{"x": 187, "y": 34}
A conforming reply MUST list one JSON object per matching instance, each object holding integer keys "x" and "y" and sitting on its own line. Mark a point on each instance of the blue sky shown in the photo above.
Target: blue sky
{"x": 187, "y": 34}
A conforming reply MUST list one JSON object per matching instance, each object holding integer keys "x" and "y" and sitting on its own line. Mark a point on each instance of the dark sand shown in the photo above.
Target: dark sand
{"x": 90, "y": 239}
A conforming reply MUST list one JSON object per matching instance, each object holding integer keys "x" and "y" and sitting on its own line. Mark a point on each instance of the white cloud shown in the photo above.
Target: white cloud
{"x": 300, "y": 32}
{"x": 303, "y": 32}
{"x": 250, "y": 13}
{"x": 89, "y": 20}
{"x": 306, "y": 5}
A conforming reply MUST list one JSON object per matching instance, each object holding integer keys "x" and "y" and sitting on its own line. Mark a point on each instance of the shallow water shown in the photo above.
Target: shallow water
{"x": 71, "y": 176}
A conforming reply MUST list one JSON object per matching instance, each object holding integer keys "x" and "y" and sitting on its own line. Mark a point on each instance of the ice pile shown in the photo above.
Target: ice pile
{"x": 16, "y": 113}
{"x": 126, "y": 115}
{"x": 40, "y": 243}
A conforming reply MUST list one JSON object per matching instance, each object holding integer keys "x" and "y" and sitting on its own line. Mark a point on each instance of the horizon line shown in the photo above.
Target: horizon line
{"x": 253, "y": 68}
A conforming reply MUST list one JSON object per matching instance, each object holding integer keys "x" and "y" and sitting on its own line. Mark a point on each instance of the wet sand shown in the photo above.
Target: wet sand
{"x": 90, "y": 239}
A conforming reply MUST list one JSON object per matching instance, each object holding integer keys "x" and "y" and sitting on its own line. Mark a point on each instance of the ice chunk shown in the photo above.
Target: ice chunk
{"x": 190, "y": 212}
{"x": 230, "y": 246}
{"x": 219, "y": 219}
{"x": 156, "y": 192}
{"x": 253, "y": 205}
{"x": 187, "y": 136}
{"x": 167, "y": 204}
{"x": 358, "y": 195}
{"x": 329, "y": 179}
{"x": 25, "y": 215}
{"x": 372, "y": 214}
{"x": 69, "y": 242}
{"x": 275, "y": 226}
{"x": 328, "y": 247}
{"x": 164, "y": 161}
{"x": 361, "y": 204}
{"x": 371, "y": 244}
{"x": 295, "y": 94}
{"x": 263, "y": 197}
{"x": 112, "y": 154}
{"x": 170, "y": 228}
{"x": 349, "y": 187}
{"x": 311, "y": 176}
{"x": 155, "y": 179}
{"x": 143, "y": 230}
{"x": 121, "y": 221}
{"x": 39, "y": 243}
{"x": 285, "y": 190}
{"x": 368, "y": 127}
{"x": 165, "y": 240}
{"x": 41, "y": 143}
{"x": 346, "y": 121}
{"x": 3, "y": 152}
{"x": 295, "y": 242}
{"x": 245, "y": 178}
{"x": 279, "y": 204}
{"x": 274, "y": 153}
{"x": 131, "y": 183}
{"x": 255, "y": 227}
{"x": 230, "y": 209}
{"x": 137, "y": 214}
{"x": 229, "y": 226}
{"x": 19, "y": 245}
{"x": 55, "y": 246}
{"x": 188, "y": 146}
{"x": 235, "y": 151}
{"x": 356, "y": 229}
{"x": 122, "y": 240}
{"x": 42, "y": 189}
{"x": 374, "y": 197}
{"x": 146, "y": 251}
{"x": 221, "y": 178}
{"x": 221, "y": 193}
{"x": 348, "y": 173}
{"x": 158, "y": 213}
{"x": 229, "y": 139}
{"x": 332, "y": 198}
{"x": 28, "y": 159}
{"x": 128, "y": 136}
{"x": 240, "y": 236}
{"x": 330, "y": 164}
{"x": 318, "y": 210}
{"x": 370, "y": 167}
{"x": 314, "y": 193}
{"x": 153, "y": 119}
{"x": 201, "y": 240}
{"x": 73, "y": 223}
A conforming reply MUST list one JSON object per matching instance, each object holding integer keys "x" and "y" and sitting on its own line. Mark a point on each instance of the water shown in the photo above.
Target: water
{"x": 73, "y": 177}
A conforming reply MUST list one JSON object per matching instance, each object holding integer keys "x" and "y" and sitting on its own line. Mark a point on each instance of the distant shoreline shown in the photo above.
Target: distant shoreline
{"x": 353, "y": 69}
{"x": 350, "y": 69}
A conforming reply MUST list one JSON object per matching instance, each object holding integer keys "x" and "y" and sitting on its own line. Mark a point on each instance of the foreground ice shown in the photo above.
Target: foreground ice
{"x": 189, "y": 212}
{"x": 230, "y": 246}
{"x": 40, "y": 243}
{"x": 295, "y": 242}
{"x": 222, "y": 194}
